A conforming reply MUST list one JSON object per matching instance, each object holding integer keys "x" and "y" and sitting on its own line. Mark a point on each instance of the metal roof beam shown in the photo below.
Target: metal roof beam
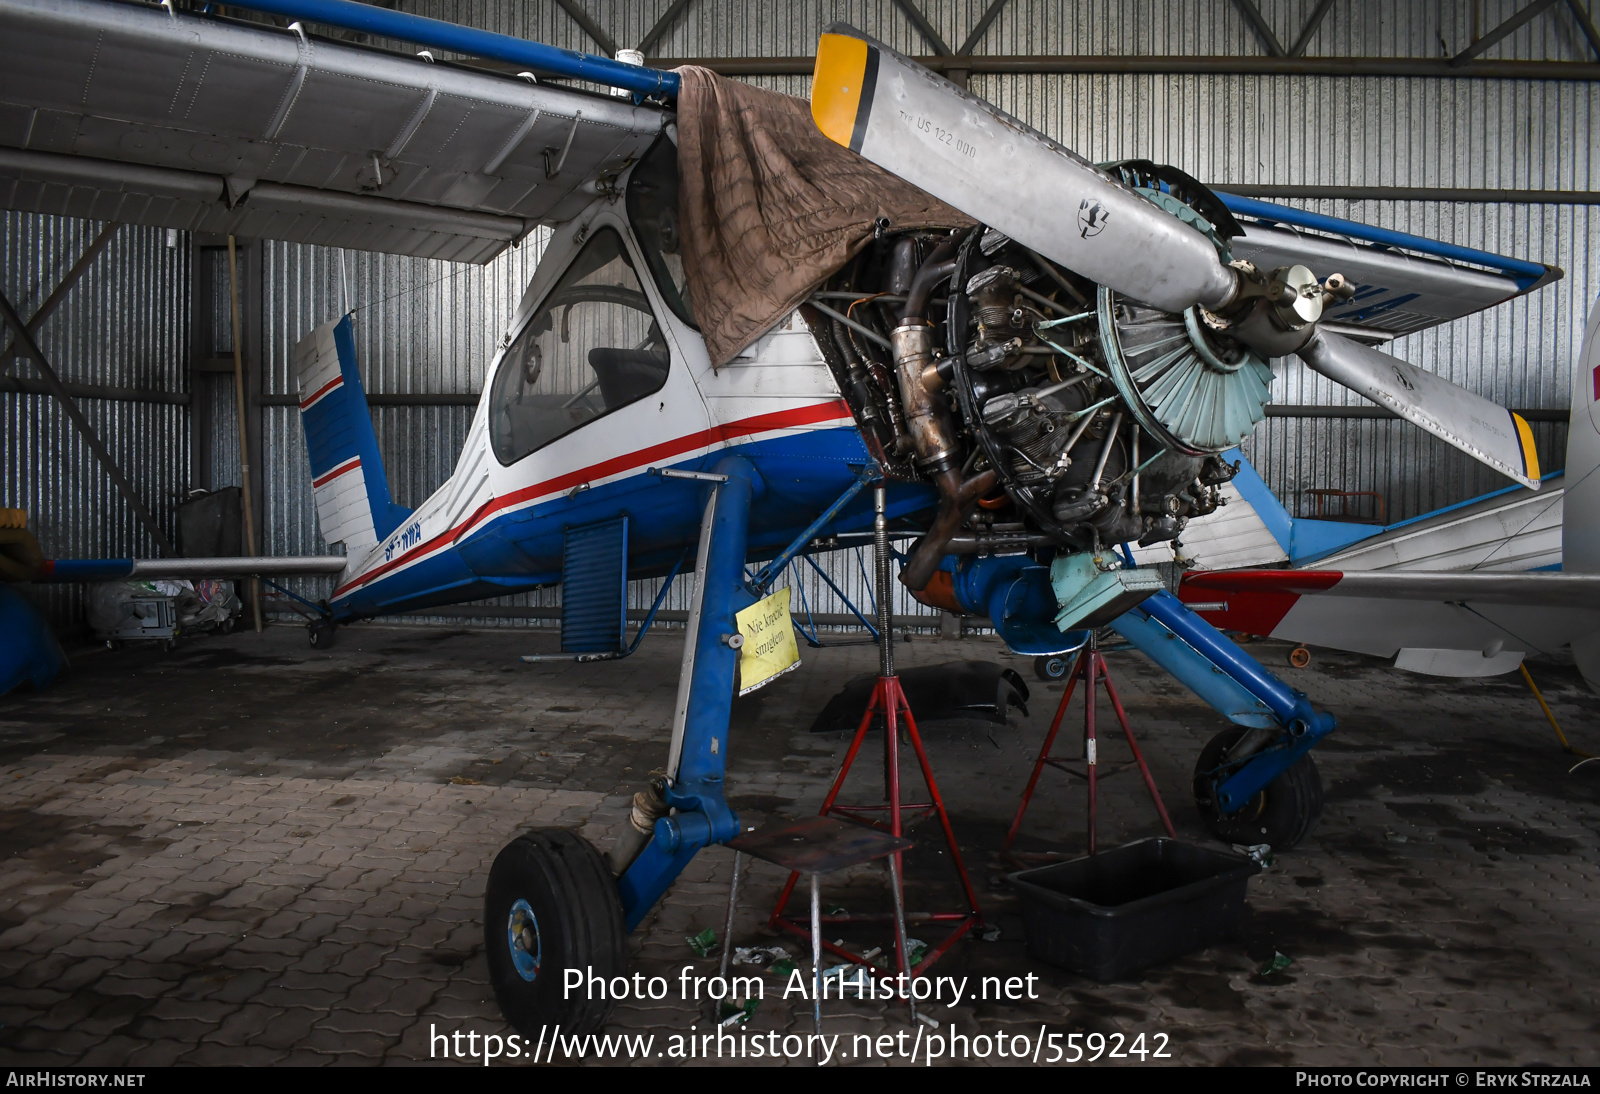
{"x": 674, "y": 11}
{"x": 924, "y": 28}
{"x": 1252, "y": 14}
{"x": 1505, "y": 29}
{"x": 54, "y": 300}
{"x": 1580, "y": 14}
{"x": 981, "y": 28}
{"x": 1309, "y": 31}
{"x": 75, "y": 416}
{"x": 590, "y": 27}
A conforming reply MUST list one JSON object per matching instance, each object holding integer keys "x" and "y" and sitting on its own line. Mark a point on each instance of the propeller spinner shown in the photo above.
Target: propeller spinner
{"x": 993, "y": 167}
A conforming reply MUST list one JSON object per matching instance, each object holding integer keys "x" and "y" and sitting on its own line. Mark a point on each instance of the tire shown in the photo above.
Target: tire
{"x": 553, "y": 881}
{"x": 1052, "y": 668}
{"x": 1281, "y": 815}
{"x": 322, "y": 635}
{"x": 169, "y": 645}
{"x": 1299, "y": 657}
{"x": 226, "y": 626}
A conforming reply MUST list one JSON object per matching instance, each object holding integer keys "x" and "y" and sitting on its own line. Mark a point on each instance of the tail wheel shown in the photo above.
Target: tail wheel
{"x": 1051, "y": 668}
{"x": 1281, "y": 815}
{"x": 1299, "y": 657}
{"x": 321, "y": 635}
{"x": 551, "y": 906}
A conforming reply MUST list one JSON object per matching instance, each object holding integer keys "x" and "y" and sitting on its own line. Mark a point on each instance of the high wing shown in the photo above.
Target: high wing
{"x": 134, "y": 113}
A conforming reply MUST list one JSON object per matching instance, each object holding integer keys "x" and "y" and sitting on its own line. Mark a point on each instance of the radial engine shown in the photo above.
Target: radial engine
{"x": 1054, "y": 416}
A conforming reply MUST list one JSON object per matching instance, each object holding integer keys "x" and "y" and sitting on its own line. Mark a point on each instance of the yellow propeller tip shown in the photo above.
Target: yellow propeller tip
{"x": 1530, "y": 455}
{"x": 836, "y": 86}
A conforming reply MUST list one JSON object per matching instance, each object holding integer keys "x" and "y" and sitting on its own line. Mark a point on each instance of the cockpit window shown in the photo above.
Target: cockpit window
{"x": 653, "y": 210}
{"x": 593, "y": 346}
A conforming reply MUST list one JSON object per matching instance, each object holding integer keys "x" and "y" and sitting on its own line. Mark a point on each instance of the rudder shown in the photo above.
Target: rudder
{"x": 354, "y": 506}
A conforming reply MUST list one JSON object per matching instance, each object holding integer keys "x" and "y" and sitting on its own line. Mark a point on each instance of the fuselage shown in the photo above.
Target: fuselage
{"x": 497, "y": 527}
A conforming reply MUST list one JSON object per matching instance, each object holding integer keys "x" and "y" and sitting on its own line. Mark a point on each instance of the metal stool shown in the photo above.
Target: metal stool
{"x": 820, "y": 845}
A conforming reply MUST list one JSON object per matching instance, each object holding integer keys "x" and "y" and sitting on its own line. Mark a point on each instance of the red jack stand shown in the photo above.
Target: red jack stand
{"x": 1091, "y": 669}
{"x": 889, "y": 702}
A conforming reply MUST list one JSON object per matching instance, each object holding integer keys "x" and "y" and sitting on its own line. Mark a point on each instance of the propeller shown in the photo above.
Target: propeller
{"x": 996, "y": 169}
{"x": 1480, "y": 428}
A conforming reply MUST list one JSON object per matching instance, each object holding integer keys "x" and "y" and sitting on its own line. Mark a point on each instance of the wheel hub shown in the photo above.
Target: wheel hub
{"x": 522, "y": 936}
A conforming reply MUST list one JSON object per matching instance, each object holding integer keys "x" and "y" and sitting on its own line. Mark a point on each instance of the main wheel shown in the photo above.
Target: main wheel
{"x": 1051, "y": 668}
{"x": 551, "y": 906}
{"x": 1281, "y": 815}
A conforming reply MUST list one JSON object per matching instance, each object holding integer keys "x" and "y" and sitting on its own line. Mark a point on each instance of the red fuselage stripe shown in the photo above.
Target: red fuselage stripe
{"x": 349, "y": 465}
{"x": 745, "y": 427}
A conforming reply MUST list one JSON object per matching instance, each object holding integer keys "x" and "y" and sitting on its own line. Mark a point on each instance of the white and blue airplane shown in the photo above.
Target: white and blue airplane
{"x": 1042, "y": 360}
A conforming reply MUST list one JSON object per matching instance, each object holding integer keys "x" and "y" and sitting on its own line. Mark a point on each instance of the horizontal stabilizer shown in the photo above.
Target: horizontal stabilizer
{"x": 152, "y": 569}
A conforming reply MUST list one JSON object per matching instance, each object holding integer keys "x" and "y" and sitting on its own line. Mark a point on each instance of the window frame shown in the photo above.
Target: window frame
{"x": 677, "y": 296}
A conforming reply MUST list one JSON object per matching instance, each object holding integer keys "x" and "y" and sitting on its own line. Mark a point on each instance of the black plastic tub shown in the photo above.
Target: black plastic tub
{"x": 1110, "y": 914}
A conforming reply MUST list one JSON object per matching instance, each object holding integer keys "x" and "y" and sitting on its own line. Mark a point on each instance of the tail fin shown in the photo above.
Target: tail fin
{"x": 1252, "y": 528}
{"x": 1580, "y": 513}
{"x": 352, "y": 491}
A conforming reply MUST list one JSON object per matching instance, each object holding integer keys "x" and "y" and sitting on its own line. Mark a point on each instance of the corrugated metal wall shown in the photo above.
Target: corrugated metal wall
{"x": 126, "y": 325}
{"x": 429, "y": 326}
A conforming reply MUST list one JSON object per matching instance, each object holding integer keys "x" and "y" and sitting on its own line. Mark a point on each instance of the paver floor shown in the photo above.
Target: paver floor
{"x": 251, "y": 852}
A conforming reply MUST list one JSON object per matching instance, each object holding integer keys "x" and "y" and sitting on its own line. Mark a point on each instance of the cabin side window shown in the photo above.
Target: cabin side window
{"x": 593, "y": 346}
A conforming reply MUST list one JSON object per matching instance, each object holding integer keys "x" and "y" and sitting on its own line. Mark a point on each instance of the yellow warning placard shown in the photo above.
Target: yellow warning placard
{"x": 769, "y": 648}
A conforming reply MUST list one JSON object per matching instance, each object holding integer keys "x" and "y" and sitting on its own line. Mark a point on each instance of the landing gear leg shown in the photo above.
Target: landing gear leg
{"x": 552, "y": 902}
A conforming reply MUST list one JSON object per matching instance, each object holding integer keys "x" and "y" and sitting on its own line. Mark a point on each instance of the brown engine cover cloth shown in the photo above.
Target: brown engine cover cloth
{"x": 770, "y": 208}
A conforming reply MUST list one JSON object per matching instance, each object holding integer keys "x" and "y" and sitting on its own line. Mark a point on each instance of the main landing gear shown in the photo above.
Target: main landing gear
{"x": 551, "y": 905}
{"x": 1281, "y": 815}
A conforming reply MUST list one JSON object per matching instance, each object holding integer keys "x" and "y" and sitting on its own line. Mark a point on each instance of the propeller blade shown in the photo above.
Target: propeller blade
{"x": 992, "y": 167}
{"x": 1480, "y": 428}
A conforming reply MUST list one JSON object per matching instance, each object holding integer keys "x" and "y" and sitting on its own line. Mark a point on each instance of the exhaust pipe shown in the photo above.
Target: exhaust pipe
{"x": 929, "y": 421}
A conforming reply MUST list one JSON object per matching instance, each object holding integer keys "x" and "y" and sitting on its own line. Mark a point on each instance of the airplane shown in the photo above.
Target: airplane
{"x": 1469, "y": 591}
{"x": 1030, "y": 359}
